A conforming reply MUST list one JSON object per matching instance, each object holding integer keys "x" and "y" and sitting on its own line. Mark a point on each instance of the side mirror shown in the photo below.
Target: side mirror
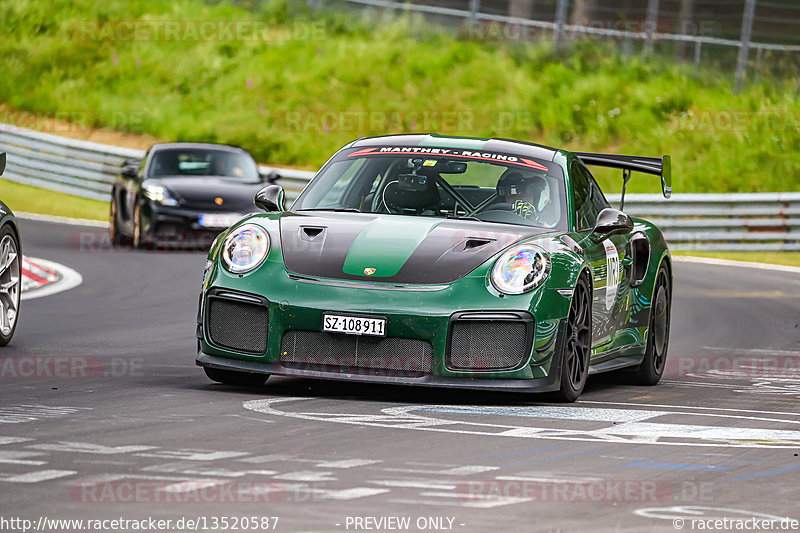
{"x": 130, "y": 172}
{"x": 270, "y": 177}
{"x": 270, "y": 198}
{"x": 610, "y": 222}
{"x": 2, "y": 163}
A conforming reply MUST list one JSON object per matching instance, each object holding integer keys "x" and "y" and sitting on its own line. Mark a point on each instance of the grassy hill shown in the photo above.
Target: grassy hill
{"x": 309, "y": 83}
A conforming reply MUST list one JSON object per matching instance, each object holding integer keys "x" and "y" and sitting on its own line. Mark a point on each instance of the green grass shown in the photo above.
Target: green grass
{"x": 295, "y": 100}
{"x": 24, "y": 198}
{"x": 775, "y": 258}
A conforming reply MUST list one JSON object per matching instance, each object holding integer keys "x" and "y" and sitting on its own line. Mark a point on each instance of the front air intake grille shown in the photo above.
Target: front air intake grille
{"x": 237, "y": 325}
{"x": 333, "y": 352}
{"x": 489, "y": 344}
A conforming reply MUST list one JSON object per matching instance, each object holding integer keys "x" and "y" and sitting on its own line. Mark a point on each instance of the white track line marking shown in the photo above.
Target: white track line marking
{"x": 306, "y": 475}
{"x": 699, "y": 408}
{"x": 13, "y": 440}
{"x": 730, "y": 262}
{"x": 192, "y": 455}
{"x": 41, "y": 475}
{"x": 16, "y": 414}
{"x": 625, "y": 433}
{"x": 346, "y": 463}
{"x": 61, "y": 220}
{"x": 88, "y": 447}
{"x": 20, "y": 458}
{"x": 415, "y": 484}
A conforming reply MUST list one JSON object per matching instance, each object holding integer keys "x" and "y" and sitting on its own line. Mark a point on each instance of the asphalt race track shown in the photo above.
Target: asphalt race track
{"x": 121, "y": 423}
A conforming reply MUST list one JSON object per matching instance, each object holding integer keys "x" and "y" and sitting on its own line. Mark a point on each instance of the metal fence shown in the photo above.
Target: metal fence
{"x": 759, "y": 221}
{"x": 763, "y": 26}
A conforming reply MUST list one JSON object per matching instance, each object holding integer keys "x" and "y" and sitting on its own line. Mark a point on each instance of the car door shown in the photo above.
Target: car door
{"x": 610, "y": 286}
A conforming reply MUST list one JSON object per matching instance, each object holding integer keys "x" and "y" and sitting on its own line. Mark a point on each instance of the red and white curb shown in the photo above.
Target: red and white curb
{"x": 41, "y": 277}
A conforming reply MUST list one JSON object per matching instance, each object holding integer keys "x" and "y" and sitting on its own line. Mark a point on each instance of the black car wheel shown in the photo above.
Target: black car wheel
{"x": 114, "y": 233}
{"x": 10, "y": 283}
{"x": 138, "y": 242}
{"x": 655, "y": 357}
{"x": 231, "y": 377}
{"x": 576, "y": 346}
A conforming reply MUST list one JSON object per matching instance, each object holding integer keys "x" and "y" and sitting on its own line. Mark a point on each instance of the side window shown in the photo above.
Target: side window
{"x": 580, "y": 197}
{"x": 589, "y": 199}
{"x": 599, "y": 201}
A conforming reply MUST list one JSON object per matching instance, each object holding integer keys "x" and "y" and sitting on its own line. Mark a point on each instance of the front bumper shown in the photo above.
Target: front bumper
{"x": 417, "y": 313}
{"x": 158, "y": 218}
{"x": 548, "y": 383}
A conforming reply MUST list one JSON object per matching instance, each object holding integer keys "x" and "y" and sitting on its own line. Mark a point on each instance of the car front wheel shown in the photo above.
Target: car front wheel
{"x": 576, "y": 346}
{"x": 10, "y": 283}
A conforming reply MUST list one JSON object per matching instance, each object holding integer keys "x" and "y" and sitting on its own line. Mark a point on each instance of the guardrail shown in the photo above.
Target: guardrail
{"x": 86, "y": 168}
{"x": 757, "y": 221}
{"x": 735, "y": 222}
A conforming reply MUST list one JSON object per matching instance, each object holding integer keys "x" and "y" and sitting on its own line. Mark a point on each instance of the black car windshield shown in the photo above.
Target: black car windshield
{"x": 202, "y": 162}
{"x": 497, "y": 188}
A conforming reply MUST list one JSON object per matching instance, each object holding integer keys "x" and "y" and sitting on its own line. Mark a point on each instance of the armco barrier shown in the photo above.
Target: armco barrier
{"x": 757, "y": 221}
{"x": 86, "y": 168}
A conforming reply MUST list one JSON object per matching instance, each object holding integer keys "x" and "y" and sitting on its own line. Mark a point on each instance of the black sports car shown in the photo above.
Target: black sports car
{"x": 10, "y": 269}
{"x": 183, "y": 189}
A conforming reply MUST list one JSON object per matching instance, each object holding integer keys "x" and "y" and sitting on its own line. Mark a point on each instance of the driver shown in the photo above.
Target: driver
{"x": 523, "y": 193}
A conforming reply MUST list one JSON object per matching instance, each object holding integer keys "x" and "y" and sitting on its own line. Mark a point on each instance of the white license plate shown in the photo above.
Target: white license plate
{"x": 218, "y": 220}
{"x": 354, "y": 325}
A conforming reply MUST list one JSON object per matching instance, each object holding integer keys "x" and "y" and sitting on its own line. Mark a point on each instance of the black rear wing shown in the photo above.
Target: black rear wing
{"x": 2, "y": 163}
{"x": 659, "y": 166}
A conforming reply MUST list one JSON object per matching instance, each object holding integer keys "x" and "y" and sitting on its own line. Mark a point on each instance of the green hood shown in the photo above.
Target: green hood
{"x": 391, "y": 248}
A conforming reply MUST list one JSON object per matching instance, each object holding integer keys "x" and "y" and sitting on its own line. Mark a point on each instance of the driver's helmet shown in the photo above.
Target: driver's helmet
{"x": 522, "y": 190}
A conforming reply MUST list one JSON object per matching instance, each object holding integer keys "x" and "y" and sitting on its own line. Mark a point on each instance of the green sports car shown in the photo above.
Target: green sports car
{"x": 442, "y": 261}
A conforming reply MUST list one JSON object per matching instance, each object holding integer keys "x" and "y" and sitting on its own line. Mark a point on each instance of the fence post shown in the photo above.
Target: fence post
{"x": 651, "y": 24}
{"x": 474, "y": 7}
{"x": 744, "y": 43}
{"x": 759, "y": 56}
{"x": 697, "y": 47}
{"x": 561, "y": 20}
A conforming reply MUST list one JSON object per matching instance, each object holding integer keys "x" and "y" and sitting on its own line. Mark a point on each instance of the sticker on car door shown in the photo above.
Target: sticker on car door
{"x": 612, "y": 273}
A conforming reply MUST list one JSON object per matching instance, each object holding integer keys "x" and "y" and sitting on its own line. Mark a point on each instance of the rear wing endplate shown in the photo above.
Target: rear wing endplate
{"x": 659, "y": 166}
{"x": 2, "y": 163}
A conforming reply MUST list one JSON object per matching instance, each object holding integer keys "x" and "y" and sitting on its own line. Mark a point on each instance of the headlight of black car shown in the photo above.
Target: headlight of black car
{"x": 158, "y": 193}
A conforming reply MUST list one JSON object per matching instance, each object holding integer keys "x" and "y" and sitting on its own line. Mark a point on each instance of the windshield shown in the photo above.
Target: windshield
{"x": 497, "y": 188}
{"x": 202, "y": 162}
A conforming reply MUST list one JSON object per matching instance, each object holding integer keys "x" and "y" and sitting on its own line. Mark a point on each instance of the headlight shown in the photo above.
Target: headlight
{"x": 158, "y": 193}
{"x": 245, "y": 248}
{"x": 520, "y": 269}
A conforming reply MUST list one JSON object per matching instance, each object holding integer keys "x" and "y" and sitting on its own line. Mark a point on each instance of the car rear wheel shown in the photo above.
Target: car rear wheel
{"x": 10, "y": 283}
{"x": 231, "y": 377}
{"x": 576, "y": 346}
{"x": 655, "y": 357}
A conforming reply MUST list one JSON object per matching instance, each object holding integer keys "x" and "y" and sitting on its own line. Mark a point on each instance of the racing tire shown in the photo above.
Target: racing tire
{"x": 576, "y": 346}
{"x": 232, "y": 377}
{"x": 652, "y": 367}
{"x": 10, "y": 283}
{"x": 138, "y": 239}
{"x": 114, "y": 234}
